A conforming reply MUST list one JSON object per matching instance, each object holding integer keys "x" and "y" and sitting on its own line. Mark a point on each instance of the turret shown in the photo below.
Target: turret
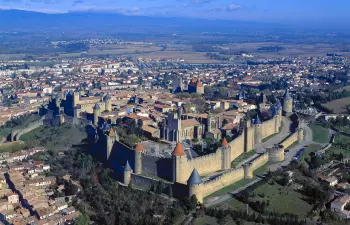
{"x": 257, "y": 130}
{"x": 195, "y": 184}
{"x": 209, "y": 121}
{"x": 76, "y": 98}
{"x": 97, "y": 113}
{"x": 77, "y": 111}
{"x": 127, "y": 173}
{"x": 179, "y": 161}
{"x": 226, "y": 155}
{"x": 248, "y": 172}
{"x": 108, "y": 102}
{"x": 300, "y": 135}
{"x": 111, "y": 138}
{"x": 287, "y": 103}
{"x": 138, "y": 158}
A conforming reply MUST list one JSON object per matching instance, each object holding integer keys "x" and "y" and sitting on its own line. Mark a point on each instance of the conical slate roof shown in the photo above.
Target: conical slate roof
{"x": 179, "y": 150}
{"x": 224, "y": 143}
{"x": 194, "y": 178}
{"x": 96, "y": 107}
{"x": 257, "y": 120}
{"x": 127, "y": 166}
{"x": 287, "y": 95}
{"x": 107, "y": 97}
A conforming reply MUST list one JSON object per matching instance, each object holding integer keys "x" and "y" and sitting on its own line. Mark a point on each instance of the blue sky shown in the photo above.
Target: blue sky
{"x": 298, "y": 11}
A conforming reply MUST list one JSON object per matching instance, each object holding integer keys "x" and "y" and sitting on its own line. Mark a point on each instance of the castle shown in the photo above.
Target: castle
{"x": 184, "y": 174}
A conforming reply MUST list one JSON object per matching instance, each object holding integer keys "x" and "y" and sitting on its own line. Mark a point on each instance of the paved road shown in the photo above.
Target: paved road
{"x": 285, "y": 131}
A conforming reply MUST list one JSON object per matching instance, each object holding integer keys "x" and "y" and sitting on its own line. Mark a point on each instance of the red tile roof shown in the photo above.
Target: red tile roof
{"x": 179, "y": 150}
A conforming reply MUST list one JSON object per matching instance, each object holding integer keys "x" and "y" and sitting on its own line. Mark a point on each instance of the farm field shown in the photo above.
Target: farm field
{"x": 338, "y": 105}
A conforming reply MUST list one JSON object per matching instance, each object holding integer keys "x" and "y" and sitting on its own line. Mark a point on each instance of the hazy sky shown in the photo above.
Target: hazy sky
{"x": 300, "y": 11}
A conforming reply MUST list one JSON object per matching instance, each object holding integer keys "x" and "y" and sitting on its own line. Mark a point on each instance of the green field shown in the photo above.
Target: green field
{"x": 282, "y": 199}
{"x": 319, "y": 133}
{"x": 12, "y": 146}
{"x": 338, "y": 105}
{"x": 55, "y": 138}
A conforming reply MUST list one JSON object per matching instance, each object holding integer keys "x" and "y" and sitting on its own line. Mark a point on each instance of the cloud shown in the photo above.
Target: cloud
{"x": 229, "y": 8}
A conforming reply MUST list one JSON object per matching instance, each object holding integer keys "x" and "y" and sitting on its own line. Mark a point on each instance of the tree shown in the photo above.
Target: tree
{"x": 170, "y": 191}
{"x": 83, "y": 219}
{"x": 193, "y": 202}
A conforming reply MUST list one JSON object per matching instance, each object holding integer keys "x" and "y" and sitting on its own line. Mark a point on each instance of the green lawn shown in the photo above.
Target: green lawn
{"x": 241, "y": 158}
{"x": 55, "y": 138}
{"x": 308, "y": 150}
{"x": 12, "y": 146}
{"x": 282, "y": 199}
{"x": 21, "y": 123}
{"x": 319, "y": 134}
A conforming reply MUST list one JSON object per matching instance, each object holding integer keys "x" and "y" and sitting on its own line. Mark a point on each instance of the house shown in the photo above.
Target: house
{"x": 332, "y": 181}
{"x": 341, "y": 206}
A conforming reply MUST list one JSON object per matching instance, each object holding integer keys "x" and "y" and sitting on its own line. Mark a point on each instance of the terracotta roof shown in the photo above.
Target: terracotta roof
{"x": 224, "y": 143}
{"x": 179, "y": 150}
{"x": 111, "y": 132}
{"x": 189, "y": 123}
{"x": 139, "y": 148}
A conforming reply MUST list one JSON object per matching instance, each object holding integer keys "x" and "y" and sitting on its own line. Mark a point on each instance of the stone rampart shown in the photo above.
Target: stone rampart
{"x": 268, "y": 128}
{"x": 225, "y": 179}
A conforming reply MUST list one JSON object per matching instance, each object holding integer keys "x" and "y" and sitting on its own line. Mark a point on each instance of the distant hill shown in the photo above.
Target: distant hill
{"x": 27, "y": 20}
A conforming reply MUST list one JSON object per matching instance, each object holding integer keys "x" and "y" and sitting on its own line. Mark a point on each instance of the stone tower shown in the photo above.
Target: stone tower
{"x": 111, "y": 137}
{"x": 108, "y": 102}
{"x": 300, "y": 134}
{"x": 287, "y": 103}
{"x": 97, "y": 113}
{"x": 248, "y": 172}
{"x": 257, "y": 130}
{"x": 179, "y": 161}
{"x": 209, "y": 121}
{"x": 138, "y": 158}
{"x": 127, "y": 173}
{"x": 195, "y": 184}
{"x": 226, "y": 155}
{"x": 76, "y": 98}
{"x": 77, "y": 111}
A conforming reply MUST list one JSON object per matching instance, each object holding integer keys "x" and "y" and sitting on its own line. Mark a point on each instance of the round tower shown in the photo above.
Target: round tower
{"x": 108, "y": 102}
{"x": 195, "y": 184}
{"x": 209, "y": 121}
{"x": 97, "y": 113}
{"x": 76, "y": 98}
{"x": 138, "y": 158}
{"x": 179, "y": 163}
{"x": 287, "y": 103}
{"x": 248, "y": 172}
{"x": 300, "y": 135}
{"x": 276, "y": 154}
{"x": 127, "y": 173}
{"x": 257, "y": 130}
{"x": 226, "y": 155}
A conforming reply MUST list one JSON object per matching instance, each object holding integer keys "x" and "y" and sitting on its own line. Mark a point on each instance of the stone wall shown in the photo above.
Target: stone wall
{"x": 31, "y": 127}
{"x": 237, "y": 147}
{"x": 268, "y": 128}
{"x": 222, "y": 181}
{"x": 155, "y": 166}
{"x": 289, "y": 140}
{"x": 146, "y": 182}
